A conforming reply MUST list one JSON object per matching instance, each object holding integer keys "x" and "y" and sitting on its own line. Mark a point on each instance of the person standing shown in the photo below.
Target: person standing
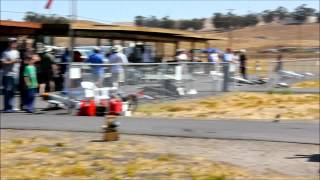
{"x": 228, "y": 61}
{"x": 228, "y": 56}
{"x": 30, "y": 78}
{"x": 181, "y": 55}
{"x": 45, "y": 71}
{"x": 117, "y": 57}
{"x": 213, "y": 59}
{"x": 27, "y": 50}
{"x": 243, "y": 63}
{"x": 97, "y": 70}
{"x": 279, "y": 64}
{"x": 10, "y": 63}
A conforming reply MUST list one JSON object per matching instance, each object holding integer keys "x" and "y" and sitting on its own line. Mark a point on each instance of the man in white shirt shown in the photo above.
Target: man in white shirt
{"x": 117, "y": 57}
{"x": 10, "y": 64}
{"x": 213, "y": 58}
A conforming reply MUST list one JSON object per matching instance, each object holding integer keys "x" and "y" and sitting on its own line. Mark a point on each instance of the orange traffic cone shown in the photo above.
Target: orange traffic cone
{"x": 92, "y": 108}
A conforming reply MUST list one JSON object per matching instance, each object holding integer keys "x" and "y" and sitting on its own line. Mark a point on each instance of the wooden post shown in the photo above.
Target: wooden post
{"x": 207, "y": 44}
{"x": 193, "y": 46}
{"x": 112, "y": 42}
{"x": 98, "y": 42}
{"x": 163, "y": 51}
{"x": 123, "y": 43}
{"x": 176, "y": 46}
{"x": 110, "y": 132}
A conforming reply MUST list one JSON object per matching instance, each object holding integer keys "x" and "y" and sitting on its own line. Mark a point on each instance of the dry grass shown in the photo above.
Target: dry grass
{"x": 130, "y": 158}
{"x": 307, "y": 84}
{"x": 116, "y": 160}
{"x": 285, "y": 35}
{"x": 239, "y": 106}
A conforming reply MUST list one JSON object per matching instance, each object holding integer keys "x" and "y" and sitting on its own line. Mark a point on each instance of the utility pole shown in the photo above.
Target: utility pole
{"x": 230, "y": 35}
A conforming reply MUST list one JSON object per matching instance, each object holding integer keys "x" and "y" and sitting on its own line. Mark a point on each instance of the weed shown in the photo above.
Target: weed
{"x": 132, "y": 168}
{"x": 165, "y": 157}
{"x": 76, "y": 170}
{"x": 43, "y": 149}
{"x": 17, "y": 141}
{"x": 215, "y": 177}
{"x": 60, "y": 144}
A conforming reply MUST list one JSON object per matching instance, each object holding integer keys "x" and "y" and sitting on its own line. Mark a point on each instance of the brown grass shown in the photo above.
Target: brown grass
{"x": 307, "y": 84}
{"x": 254, "y": 106}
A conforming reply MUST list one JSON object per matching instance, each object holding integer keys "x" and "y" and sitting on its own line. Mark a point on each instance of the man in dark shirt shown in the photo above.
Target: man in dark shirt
{"x": 45, "y": 70}
{"x": 243, "y": 59}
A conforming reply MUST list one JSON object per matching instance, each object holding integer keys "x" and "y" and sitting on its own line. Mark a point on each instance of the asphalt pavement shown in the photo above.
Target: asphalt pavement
{"x": 293, "y": 132}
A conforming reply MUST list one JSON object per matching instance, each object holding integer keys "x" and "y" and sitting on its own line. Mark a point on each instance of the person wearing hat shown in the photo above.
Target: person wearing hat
{"x": 117, "y": 57}
{"x": 97, "y": 70}
{"x": 181, "y": 55}
{"x": 45, "y": 69}
{"x": 10, "y": 64}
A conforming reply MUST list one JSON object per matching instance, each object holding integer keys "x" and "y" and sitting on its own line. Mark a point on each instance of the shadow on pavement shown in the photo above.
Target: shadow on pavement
{"x": 311, "y": 158}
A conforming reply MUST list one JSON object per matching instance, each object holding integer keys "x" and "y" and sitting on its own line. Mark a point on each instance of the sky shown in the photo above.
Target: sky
{"x": 109, "y": 11}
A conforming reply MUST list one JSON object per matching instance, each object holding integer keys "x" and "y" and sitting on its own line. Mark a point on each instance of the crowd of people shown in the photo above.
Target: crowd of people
{"x": 30, "y": 70}
{"x": 26, "y": 70}
{"x": 234, "y": 58}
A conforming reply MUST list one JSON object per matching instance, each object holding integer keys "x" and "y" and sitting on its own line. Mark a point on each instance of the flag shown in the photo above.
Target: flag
{"x": 48, "y": 4}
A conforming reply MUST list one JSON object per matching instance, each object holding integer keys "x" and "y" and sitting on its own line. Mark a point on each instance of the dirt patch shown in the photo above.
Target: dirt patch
{"x": 253, "y": 106}
{"x": 78, "y": 156}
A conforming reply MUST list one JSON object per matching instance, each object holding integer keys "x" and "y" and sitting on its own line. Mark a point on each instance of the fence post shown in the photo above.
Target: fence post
{"x": 225, "y": 84}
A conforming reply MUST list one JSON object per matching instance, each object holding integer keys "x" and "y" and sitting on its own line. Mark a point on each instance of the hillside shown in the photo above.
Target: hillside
{"x": 251, "y": 38}
{"x": 272, "y": 35}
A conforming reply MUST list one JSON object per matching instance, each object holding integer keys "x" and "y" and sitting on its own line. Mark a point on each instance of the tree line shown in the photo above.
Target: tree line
{"x": 219, "y": 20}
{"x": 229, "y": 20}
{"x": 168, "y": 23}
{"x": 40, "y": 18}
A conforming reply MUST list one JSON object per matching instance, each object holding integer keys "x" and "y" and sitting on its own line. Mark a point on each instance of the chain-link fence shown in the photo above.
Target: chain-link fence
{"x": 287, "y": 73}
{"x": 163, "y": 81}
{"x": 157, "y": 80}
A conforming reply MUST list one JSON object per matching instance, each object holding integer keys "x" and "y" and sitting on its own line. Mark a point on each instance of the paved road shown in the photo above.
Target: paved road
{"x": 298, "y": 132}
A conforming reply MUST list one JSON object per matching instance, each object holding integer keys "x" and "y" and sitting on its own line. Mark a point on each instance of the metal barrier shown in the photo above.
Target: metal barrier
{"x": 187, "y": 79}
{"x": 288, "y": 72}
{"x": 157, "y": 80}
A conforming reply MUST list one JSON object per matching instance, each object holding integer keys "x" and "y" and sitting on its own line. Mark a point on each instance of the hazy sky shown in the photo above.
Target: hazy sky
{"x": 126, "y": 10}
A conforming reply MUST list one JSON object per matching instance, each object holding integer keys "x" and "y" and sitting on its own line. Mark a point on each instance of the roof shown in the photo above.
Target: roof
{"x": 14, "y": 28}
{"x": 106, "y": 31}
{"x": 20, "y": 24}
{"x": 168, "y": 33}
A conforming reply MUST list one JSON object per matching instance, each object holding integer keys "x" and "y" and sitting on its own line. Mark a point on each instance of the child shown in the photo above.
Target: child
{"x": 30, "y": 78}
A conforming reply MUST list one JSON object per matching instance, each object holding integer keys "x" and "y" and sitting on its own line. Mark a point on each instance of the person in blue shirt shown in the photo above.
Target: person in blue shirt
{"x": 97, "y": 69}
{"x": 228, "y": 56}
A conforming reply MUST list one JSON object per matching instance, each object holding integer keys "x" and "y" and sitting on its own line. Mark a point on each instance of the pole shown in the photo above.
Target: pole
{"x": 230, "y": 35}
{"x": 71, "y": 34}
{"x": 225, "y": 82}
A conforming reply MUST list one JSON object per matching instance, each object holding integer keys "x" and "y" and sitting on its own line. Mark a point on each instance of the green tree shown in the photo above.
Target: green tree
{"x": 302, "y": 12}
{"x": 53, "y": 19}
{"x": 152, "y": 22}
{"x": 268, "y": 16}
{"x": 139, "y": 20}
{"x": 281, "y": 12}
{"x": 166, "y": 22}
